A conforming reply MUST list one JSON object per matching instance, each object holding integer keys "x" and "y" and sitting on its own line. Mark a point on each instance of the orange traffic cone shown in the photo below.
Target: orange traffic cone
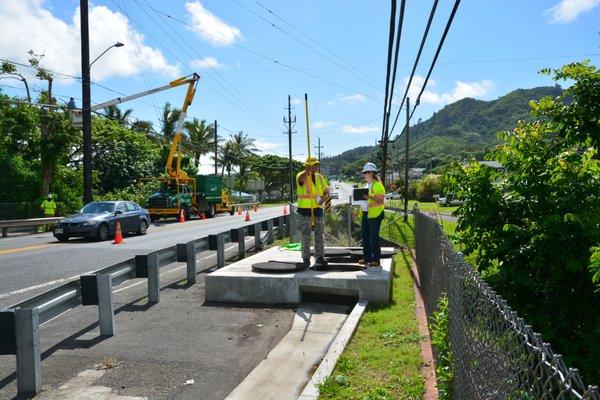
{"x": 239, "y": 210}
{"x": 118, "y": 234}
{"x": 285, "y": 210}
{"x": 255, "y": 207}
{"x": 247, "y": 215}
{"x": 181, "y": 217}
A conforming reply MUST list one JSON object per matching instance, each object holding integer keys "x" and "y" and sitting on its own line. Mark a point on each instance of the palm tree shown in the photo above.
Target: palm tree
{"x": 201, "y": 136}
{"x": 226, "y": 157}
{"x": 243, "y": 147}
{"x": 115, "y": 113}
{"x": 169, "y": 121}
{"x": 142, "y": 126}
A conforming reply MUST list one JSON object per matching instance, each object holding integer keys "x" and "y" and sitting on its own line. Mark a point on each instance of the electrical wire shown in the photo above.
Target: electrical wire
{"x": 412, "y": 74}
{"x": 389, "y": 64}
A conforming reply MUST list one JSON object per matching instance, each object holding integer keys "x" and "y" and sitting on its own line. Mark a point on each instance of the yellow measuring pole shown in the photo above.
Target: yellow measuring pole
{"x": 312, "y": 210}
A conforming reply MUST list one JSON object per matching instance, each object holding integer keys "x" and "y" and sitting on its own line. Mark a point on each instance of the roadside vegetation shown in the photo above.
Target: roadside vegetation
{"x": 383, "y": 359}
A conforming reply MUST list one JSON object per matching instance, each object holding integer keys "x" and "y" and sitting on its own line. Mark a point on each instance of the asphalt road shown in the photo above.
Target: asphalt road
{"x": 32, "y": 264}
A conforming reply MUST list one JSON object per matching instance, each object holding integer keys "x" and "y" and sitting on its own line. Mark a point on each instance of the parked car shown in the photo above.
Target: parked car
{"x": 445, "y": 201}
{"x": 99, "y": 219}
{"x": 393, "y": 196}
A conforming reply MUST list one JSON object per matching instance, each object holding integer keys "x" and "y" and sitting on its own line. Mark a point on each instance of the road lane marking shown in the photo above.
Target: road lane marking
{"x": 41, "y": 285}
{"x": 28, "y": 248}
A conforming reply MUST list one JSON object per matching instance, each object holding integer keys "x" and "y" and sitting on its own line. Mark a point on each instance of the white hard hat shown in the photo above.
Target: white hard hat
{"x": 49, "y": 195}
{"x": 369, "y": 167}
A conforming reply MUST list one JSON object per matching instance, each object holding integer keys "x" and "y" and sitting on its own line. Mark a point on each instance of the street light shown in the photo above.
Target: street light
{"x": 118, "y": 44}
{"x": 86, "y": 99}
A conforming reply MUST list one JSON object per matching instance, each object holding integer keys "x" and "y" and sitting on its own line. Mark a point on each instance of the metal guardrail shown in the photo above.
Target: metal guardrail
{"x": 20, "y": 323}
{"x": 35, "y": 222}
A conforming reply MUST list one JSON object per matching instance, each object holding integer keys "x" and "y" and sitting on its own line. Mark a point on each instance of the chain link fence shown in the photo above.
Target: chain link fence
{"x": 496, "y": 354}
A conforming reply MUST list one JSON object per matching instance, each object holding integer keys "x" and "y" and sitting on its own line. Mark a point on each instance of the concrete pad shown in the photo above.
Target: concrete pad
{"x": 287, "y": 368}
{"x": 238, "y": 283}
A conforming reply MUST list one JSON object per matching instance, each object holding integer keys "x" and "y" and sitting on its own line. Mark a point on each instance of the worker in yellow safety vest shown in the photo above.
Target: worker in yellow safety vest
{"x": 48, "y": 206}
{"x": 312, "y": 190}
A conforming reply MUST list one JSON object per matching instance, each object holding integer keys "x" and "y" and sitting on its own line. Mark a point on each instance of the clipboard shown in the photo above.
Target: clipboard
{"x": 359, "y": 194}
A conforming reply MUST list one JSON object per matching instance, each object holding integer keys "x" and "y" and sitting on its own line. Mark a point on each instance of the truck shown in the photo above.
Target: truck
{"x": 202, "y": 196}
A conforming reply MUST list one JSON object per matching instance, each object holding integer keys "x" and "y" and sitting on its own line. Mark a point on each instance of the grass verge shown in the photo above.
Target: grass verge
{"x": 423, "y": 206}
{"x": 383, "y": 359}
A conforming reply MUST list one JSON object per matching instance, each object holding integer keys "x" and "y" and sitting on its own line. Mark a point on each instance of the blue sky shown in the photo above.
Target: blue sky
{"x": 493, "y": 47}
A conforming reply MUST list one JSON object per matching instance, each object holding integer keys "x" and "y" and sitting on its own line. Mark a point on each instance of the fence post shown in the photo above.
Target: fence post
{"x": 349, "y": 218}
{"x": 293, "y": 225}
{"x": 220, "y": 251}
{"x": 29, "y": 369}
{"x": 153, "y": 279}
{"x": 190, "y": 250}
{"x": 106, "y": 307}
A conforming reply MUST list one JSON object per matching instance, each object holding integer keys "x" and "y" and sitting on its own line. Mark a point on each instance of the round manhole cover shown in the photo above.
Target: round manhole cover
{"x": 384, "y": 253}
{"x": 278, "y": 266}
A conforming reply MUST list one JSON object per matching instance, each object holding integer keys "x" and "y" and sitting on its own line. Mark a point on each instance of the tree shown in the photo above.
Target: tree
{"x": 115, "y": 113}
{"x": 10, "y": 70}
{"x": 201, "y": 138}
{"x": 274, "y": 171}
{"x": 531, "y": 227}
{"x": 168, "y": 121}
{"x": 226, "y": 158}
{"x": 242, "y": 147}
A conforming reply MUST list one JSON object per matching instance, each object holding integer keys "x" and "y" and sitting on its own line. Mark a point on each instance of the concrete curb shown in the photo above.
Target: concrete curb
{"x": 311, "y": 391}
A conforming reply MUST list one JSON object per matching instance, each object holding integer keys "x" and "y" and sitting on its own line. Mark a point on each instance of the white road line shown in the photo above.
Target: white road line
{"x": 5, "y": 295}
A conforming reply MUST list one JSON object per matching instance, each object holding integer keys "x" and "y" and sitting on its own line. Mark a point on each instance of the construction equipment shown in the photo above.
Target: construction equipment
{"x": 177, "y": 192}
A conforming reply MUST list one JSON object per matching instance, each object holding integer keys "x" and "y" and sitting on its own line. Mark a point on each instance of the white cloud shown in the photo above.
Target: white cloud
{"x": 296, "y": 101}
{"x": 354, "y": 129}
{"x": 210, "y": 27}
{"x": 27, "y": 24}
{"x": 357, "y": 98}
{"x": 568, "y": 10}
{"x": 206, "y": 62}
{"x": 460, "y": 90}
{"x": 322, "y": 124}
{"x": 330, "y": 103}
{"x": 266, "y": 146}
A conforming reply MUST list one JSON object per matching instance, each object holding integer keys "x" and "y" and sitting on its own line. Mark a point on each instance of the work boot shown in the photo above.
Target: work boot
{"x": 306, "y": 263}
{"x": 320, "y": 264}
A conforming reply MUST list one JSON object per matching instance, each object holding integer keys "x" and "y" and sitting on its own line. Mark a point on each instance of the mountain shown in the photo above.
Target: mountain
{"x": 464, "y": 129}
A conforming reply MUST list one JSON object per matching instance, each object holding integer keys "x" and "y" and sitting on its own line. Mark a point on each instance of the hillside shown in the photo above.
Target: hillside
{"x": 466, "y": 128}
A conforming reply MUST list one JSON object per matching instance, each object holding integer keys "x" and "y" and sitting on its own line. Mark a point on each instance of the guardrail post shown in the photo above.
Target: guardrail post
{"x": 106, "y": 306}
{"x": 29, "y": 369}
{"x": 293, "y": 226}
{"x": 281, "y": 226}
{"x": 238, "y": 235}
{"x": 270, "y": 236}
{"x": 153, "y": 279}
{"x": 4, "y": 232}
{"x": 190, "y": 250}
{"x": 257, "y": 241}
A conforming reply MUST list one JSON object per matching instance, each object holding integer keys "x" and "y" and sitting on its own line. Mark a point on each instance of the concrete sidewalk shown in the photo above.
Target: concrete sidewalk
{"x": 176, "y": 349}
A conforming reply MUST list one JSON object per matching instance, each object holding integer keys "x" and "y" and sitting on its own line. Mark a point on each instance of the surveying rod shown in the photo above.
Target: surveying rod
{"x": 312, "y": 210}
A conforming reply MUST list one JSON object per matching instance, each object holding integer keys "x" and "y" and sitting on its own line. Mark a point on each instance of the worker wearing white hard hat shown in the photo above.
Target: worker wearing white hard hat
{"x": 372, "y": 215}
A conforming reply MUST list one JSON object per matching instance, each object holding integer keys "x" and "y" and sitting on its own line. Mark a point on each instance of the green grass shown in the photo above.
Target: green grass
{"x": 427, "y": 207}
{"x": 383, "y": 359}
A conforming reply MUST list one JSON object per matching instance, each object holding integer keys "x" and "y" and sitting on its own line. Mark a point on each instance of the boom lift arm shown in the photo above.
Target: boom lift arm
{"x": 192, "y": 81}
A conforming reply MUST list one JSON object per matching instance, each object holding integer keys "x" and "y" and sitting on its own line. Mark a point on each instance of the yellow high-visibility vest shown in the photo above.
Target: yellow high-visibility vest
{"x": 307, "y": 193}
{"x": 49, "y": 207}
{"x": 375, "y": 208}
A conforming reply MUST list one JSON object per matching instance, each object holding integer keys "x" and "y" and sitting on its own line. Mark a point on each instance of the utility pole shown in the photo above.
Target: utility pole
{"x": 384, "y": 144}
{"x": 289, "y": 122}
{"x": 319, "y": 147}
{"x": 86, "y": 105}
{"x": 216, "y": 146}
{"x": 406, "y": 160}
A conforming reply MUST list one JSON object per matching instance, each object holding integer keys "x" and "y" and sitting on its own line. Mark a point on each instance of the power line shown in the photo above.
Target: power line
{"x": 268, "y": 58}
{"x": 376, "y": 86}
{"x": 437, "y": 53}
{"x": 412, "y": 74}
